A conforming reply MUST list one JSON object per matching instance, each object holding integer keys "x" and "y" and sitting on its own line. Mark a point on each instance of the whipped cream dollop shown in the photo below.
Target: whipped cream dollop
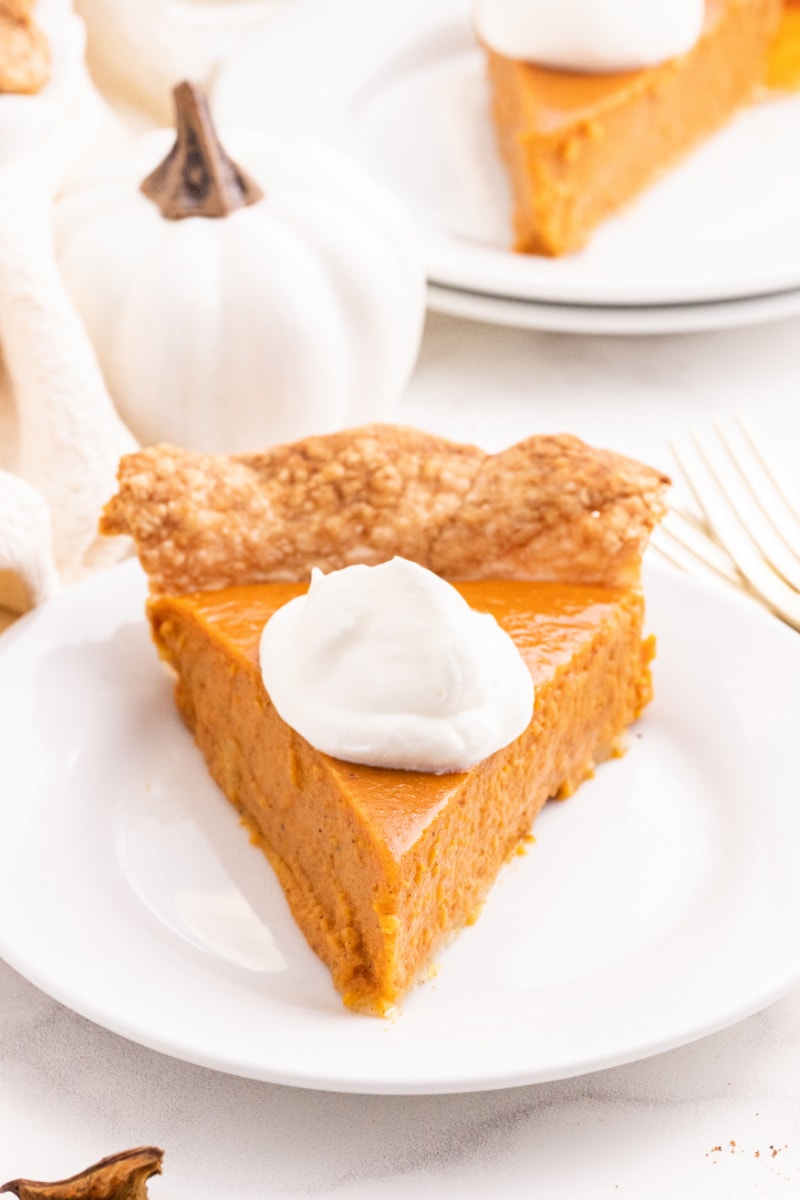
{"x": 389, "y": 666}
{"x": 592, "y": 36}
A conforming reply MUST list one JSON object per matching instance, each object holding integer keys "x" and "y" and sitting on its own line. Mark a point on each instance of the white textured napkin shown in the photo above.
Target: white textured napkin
{"x": 60, "y": 437}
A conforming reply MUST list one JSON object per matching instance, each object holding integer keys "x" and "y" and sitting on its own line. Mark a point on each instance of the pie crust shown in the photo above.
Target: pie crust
{"x": 24, "y": 49}
{"x": 549, "y": 508}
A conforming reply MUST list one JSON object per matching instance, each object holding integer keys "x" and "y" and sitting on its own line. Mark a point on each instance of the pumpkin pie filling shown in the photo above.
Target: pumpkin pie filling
{"x": 382, "y": 867}
{"x": 783, "y": 64}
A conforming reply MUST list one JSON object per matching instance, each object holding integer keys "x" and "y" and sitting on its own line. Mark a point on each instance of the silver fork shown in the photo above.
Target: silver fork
{"x": 746, "y": 530}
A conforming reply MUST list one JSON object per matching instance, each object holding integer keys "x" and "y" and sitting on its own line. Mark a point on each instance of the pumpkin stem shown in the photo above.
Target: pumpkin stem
{"x": 197, "y": 178}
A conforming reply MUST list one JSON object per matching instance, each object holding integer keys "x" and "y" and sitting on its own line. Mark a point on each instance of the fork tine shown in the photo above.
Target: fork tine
{"x": 774, "y": 497}
{"x": 682, "y": 539}
{"x": 755, "y": 518}
{"x": 673, "y": 551}
{"x": 691, "y": 518}
{"x": 785, "y": 490}
{"x": 712, "y": 488}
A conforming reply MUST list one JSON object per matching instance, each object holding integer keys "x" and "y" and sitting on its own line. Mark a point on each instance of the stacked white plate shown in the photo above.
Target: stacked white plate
{"x": 400, "y": 85}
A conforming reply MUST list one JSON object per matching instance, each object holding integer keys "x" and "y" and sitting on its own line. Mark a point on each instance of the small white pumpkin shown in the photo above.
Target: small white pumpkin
{"x": 300, "y": 312}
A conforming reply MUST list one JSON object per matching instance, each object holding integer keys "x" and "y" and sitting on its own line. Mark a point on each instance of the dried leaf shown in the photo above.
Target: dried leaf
{"x": 119, "y": 1177}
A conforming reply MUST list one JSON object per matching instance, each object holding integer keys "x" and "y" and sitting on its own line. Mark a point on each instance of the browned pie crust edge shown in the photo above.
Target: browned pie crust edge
{"x": 548, "y": 508}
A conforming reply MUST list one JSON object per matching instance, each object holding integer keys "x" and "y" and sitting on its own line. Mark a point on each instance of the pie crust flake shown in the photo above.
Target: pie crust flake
{"x": 24, "y": 49}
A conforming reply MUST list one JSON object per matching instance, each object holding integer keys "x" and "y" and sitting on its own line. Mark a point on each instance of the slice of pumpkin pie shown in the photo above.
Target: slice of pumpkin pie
{"x": 579, "y": 145}
{"x": 384, "y": 850}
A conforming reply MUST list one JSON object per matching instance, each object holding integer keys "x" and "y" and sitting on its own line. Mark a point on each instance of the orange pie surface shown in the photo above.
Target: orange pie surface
{"x": 783, "y": 65}
{"x": 381, "y": 867}
{"x": 578, "y": 147}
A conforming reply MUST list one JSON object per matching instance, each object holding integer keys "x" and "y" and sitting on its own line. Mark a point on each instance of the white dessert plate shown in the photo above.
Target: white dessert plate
{"x": 658, "y": 904}
{"x": 400, "y": 85}
{"x": 614, "y": 320}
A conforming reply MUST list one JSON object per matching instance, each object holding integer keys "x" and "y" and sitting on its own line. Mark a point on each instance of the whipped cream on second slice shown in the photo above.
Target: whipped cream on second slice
{"x": 389, "y": 666}
{"x": 591, "y": 36}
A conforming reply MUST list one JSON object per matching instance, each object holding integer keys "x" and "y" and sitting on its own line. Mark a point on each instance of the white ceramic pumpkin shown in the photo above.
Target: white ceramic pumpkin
{"x": 298, "y": 313}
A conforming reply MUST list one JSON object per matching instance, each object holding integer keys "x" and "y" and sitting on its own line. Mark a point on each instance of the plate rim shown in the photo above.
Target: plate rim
{"x": 613, "y": 320}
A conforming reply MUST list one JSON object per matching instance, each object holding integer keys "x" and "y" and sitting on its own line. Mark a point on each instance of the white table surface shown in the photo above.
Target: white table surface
{"x": 718, "y": 1119}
